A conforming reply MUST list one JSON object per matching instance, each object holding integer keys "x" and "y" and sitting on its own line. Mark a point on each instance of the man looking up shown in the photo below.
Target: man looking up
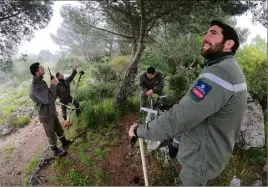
{"x": 208, "y": 118}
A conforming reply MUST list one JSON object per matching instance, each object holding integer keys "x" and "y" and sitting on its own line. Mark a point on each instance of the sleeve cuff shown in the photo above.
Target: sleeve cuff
{"x": 135, "y": 131}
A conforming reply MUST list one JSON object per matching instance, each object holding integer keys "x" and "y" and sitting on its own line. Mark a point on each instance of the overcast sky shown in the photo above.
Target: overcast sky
{"x": 42, "y": 39}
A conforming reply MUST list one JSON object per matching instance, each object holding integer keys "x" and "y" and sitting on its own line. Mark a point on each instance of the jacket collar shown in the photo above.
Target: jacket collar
{"x": 61, "y": 80}
{"x": 217, "y": 58}
{"x": 38, "y": 78}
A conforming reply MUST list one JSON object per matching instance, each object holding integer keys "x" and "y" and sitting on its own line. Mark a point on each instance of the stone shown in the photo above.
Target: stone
{"x": 5, "y": 129}
{"x": 257, "y": 183}
{"x": 252, "y": 130}
{"x": 265, "y": 168}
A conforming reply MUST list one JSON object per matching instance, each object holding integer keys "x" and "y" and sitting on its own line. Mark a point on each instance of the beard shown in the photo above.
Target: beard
{"x": 213, "y": 50}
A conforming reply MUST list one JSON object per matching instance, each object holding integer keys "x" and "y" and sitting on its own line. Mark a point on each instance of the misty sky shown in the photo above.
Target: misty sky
{"x": 42, "y": 39}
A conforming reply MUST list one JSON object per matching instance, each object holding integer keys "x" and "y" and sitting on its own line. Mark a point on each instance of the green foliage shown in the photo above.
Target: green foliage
{"x": 260, "y": 43}
{"x": 67, "y": 63}
{"x": 31, "y": 165}
{"x": 257, "y": 155}
{"x": 20, "y": 71}
{"x": 182, "y": 50}
{"x": 100, "y": 176}
{"x": 249, "y": 56}
{"x": 119, "y": 64}
{"x": 103, "y": 114}
{"x": 76, "y": 179}
{"x": 11, "y": 119}
{"x": 99, "y": 153}
{"x": 157, "y": 60}
{"x": 18, "y": 21}
{"x": 104, "y": 73}
{"x": 257, "y": 83}
{"x": 181, "y": 82}
{"x": 253, "y": 61}
{"x": 97, "y": 91}
{"x": 22, "y": 121}
{"x": 9, "y": 109}
{"x": 100, "y": 114}
{"x": 8, "y": 150}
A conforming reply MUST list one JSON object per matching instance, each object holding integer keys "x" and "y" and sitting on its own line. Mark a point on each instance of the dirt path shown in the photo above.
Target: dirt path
{"x": 16, "y": 151}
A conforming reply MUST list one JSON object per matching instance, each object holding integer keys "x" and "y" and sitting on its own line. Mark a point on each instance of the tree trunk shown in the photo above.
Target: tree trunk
{"x": 129, "y": 78}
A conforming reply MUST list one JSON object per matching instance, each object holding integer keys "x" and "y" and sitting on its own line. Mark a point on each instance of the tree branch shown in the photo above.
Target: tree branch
{"x": 13, "y": 15}
{"x": 154, "y": 19}
{"x": 122, "y": 35}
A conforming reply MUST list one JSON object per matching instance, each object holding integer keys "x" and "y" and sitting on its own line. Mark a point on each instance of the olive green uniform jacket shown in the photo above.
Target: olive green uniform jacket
{"x": 208, "y": 119}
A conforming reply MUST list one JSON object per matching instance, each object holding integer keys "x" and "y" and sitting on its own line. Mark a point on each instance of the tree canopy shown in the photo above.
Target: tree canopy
{"x": 18, "y": 21}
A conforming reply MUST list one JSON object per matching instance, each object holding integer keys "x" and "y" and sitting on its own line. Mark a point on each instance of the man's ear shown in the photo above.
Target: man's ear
{"x": 229, "y": 44}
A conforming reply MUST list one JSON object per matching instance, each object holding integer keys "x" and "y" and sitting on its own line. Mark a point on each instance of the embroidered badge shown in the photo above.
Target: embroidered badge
{"x": 200, "y": 90}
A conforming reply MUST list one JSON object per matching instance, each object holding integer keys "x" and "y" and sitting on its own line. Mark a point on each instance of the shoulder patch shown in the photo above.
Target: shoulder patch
{"x": 200, "y": 90}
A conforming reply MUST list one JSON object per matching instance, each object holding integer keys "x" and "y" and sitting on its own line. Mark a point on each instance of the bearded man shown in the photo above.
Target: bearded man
{"x": 208, "y": 118}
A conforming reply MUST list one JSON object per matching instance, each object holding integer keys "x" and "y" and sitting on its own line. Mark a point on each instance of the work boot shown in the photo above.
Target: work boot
{"x": 78, "y": 112}
{"x": 64, "y": 142}
{"x": 58, "y": 152}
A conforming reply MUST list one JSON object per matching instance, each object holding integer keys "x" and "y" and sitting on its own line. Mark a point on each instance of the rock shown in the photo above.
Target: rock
{"x": 257, "y": 183}
{"x": 26, "y": 111}
{"x": 152, "y": 145}
{"x": 5, "y": 129}
{"x": 35, "y": 179}
{"x": 252, "y": 129}
{"x": 265, "y": 168}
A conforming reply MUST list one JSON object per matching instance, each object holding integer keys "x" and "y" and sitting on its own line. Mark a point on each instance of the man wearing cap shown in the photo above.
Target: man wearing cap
{"x": 208, "y": 118}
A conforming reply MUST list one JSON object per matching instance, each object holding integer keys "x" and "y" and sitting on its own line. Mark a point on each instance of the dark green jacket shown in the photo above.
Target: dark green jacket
{"x": 63, "y": 90}
{"x": 208, "y": 118}
{"x": 157, "y": 83}
{"x": 43, "y": 97}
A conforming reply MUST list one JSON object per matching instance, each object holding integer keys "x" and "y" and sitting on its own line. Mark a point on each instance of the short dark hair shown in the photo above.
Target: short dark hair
{"x": 151, "y": 70}
{"x": 34, "y": 68}
{"x": 228, "y": 33}
{"x": 57, "y": 74}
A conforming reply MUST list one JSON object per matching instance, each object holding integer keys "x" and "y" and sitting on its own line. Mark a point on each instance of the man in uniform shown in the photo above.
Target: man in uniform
{"x": 44, "y": 101}
{"x": 208, "y": 118}
{"x": 64, "y": 93}
{"x": 151, "y": 81}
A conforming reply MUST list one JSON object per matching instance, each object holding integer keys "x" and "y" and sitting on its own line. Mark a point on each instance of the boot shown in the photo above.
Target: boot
{"x": 64, "y": 142}
{"x": 58, "y": 152}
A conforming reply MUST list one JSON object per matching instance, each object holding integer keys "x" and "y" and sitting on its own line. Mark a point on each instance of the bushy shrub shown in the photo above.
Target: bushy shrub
{"x": 119, "y": 64}
{"x": 180, "y": 82}
{"x": 9, "y": 110}
{"x": 11, "y": 119}
{"x": 22, "y": 121}
{"x": 67, "y": 62}
{"x": 97, "y": 91}
{"x": 100, "y": 114}
{"x": 20, "y": 71}
{"x": 257, "y": 84}
{"x": 103, "y": 73}
{"x": 253, "y": 61}
{"x": 103, "y": 113}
